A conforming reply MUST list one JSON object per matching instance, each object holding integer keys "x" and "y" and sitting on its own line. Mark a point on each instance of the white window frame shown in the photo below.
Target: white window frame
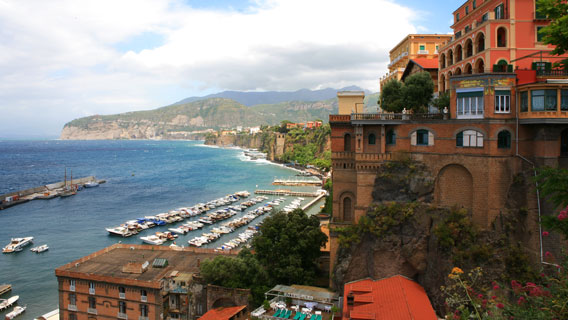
{"x": 472, "y": 139}
{"x": 502, "y": 102}
{"x": 470, "y": 107}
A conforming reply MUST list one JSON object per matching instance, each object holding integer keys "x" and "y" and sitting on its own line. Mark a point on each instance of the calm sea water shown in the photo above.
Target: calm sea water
{"x": 143, "y": 178}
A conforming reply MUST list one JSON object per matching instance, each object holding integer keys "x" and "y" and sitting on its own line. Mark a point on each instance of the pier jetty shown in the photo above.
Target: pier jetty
{"x": 288, "y": 193}
{"x": 49, "y": 191}
{"x": 296, "y": 182}
{"x": 4, "y": 288}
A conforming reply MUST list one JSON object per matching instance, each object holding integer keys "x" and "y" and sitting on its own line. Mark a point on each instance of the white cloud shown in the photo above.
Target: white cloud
{"x": 58, "y": 58}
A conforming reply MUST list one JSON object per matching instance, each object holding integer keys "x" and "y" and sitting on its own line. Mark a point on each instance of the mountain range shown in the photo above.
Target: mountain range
{"x": 181, "y": 119}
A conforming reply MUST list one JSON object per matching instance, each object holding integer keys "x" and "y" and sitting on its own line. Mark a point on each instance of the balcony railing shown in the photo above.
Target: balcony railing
{"x": 122, "y": 315}
{"x": 144, "y": 298}
{"x": 373, "y": 157}
{"x": 142, "y": 318}
{"x": 72, "y": 288}
{"x": 339, "y": 118}
{"x": 423, "y": 51}
{"x": 396, "y": 116}
{"x": 72, "y": 307}
{"x": 541, "y": 72}
{"x": 342, "y": 155}
{"x": 91, "y": 290}
{"x": 121, "y": 295}
{"x": 92, "y": 310}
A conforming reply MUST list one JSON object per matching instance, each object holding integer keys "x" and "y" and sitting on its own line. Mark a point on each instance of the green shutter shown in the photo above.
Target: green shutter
{"x": 547, "y": 66}
{"x": 496, "y": 68}
{"x": 509, "y": 68}
{"x": 533, "y": 66}
{"x": 470, "y": 94}
{"x": 502, "y": 92}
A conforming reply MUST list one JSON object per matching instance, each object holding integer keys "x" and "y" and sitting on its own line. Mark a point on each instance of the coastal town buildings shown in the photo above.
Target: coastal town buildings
{"x": 140, "y": 282}
{"x": 395, "y": 298}
{"x": 508, "y": 113}
{"x": 413, "y": 46}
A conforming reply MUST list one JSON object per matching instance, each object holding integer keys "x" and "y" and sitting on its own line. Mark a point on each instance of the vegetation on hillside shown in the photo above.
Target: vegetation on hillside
{"x": 286, "y": 250}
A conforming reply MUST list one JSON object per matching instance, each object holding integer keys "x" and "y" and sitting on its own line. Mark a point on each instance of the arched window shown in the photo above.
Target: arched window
{"x": 469, "y": 138}
{"x": 479, "y": 66}
{"x": 480, "y": 42}
{"x": 501, "y": 37}
{"x": 442, "y": 83}
{"x": 450, "y": 58}
{"x": 391, "y": 137}
{"x": 347, "y": 209}
{"x": 504, "y": 140}
{"x": 467, "y": 69}
{"x": 422, "y": 137}
{"x": 443, "y": 60}
{"x": 372, "y": 138}
{"x": 501, "y": 66}
{"x": 458, "y": 72}
{"x": 468, "y": 48}
{"x": 347, "y": 142}
{"x": 458, "y": 53}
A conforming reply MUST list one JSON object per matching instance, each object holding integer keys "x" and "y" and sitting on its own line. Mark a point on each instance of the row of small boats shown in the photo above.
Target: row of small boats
{"x": 7, "y": 303}
{"x": 132, "y": 227}
{"x": 18, "y": 244}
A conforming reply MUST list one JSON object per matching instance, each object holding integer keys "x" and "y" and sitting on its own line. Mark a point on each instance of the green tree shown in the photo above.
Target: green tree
{"x": 417, "y": 92}
{"x": 556, "y": 33}
{"x": 243, "y": 271}
{"x": 442, "y": 101}
{"x": 553, "y": 184}
{"x": 390, "y": 98}
{"x": 288, "y": 246}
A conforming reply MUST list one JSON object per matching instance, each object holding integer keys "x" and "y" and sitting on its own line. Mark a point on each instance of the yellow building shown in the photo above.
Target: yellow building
{"x": 411, "y": 47}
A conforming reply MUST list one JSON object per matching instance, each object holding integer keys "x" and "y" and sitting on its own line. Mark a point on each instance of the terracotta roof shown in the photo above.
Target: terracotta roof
{"x": 394, "y": 298}
{"x": 222, "y": 313}
{"x": 426, "y": 63}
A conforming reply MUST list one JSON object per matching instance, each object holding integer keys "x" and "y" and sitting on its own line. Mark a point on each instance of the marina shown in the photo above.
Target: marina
{"x": 48, "y": 191}
{"x": 297, "y": 182}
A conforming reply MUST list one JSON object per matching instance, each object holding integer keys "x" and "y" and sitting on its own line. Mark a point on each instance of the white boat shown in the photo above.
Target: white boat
{"x": 16, "y": 312}
{"x": 120, "y": 231}
{"x": 7, "y": 303}
{"x": 91, "y": 184}
{"x": 40, "y": 249}
{"x": 178, "y": 230}
{"x": 174, "y": 246}
{"x": 17, "y": 244}
{"x": 152, "y": 239}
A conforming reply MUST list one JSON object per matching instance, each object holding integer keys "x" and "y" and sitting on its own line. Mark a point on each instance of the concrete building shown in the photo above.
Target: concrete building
{"x": 424, "y": 46}
{"x": 501, "y": 121}
{"x": 140, "y": 282}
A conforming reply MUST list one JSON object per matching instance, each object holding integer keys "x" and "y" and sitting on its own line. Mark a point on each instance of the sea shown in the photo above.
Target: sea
{"x": 143, "y": 178}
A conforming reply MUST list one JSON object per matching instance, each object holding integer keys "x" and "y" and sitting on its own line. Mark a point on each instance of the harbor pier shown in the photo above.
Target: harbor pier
{"x": 48, "y": 191}
{"x": 5, "y": 288}
{"x": 297, "y": 182}
{"x": 288, "y": 193}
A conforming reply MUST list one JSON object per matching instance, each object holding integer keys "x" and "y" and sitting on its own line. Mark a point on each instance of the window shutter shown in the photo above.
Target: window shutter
{"x": 547, "y": 66}
{"x": 533, "y": 66}
{"x": 502, "y": 92}
{"x": 430, "y": 138}
{"x": 413, "y": 138}
{"x": 470, "y": 94}
{"x": 509, "y": 68}
{"x": 496, "y": 68}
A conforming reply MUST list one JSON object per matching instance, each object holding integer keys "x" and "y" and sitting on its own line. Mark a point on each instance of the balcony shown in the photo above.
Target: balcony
{"x": 91, "y": 310}
{"x": 91, "y": 290}
{"x": 392, "y": 118}
{"x": 122, "y": 295}
{"x": 423, "y": 51}
{"x": 143, "y": 318}
{"x": 144, "y": 298}
{"x": 373, "y": 157}
{"x": 72, "y": 288}
{"x": 552, "y": 73}
{"x": 339, "y": 118}
{"x": 122, "y": 315}
{"x": 342, "y": 155}
{"x": 72, "y": 307}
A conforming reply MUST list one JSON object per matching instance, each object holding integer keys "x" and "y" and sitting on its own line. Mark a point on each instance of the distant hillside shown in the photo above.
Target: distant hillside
{"x": 272, "y": 97}
{"x": 181, "y": 121}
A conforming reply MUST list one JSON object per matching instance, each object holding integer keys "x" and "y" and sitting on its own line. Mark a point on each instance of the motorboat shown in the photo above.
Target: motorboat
{"x": 7, "y": 303}
{"x": 16, "y": 312}
{"x": 40, "y": 249}
{"x": 120, "y": 231}
{"x": 179, "y": 230}
{"x": 152, "y": 239}
{"x": 91, "y": 184}
{"x": 17, "y": 244}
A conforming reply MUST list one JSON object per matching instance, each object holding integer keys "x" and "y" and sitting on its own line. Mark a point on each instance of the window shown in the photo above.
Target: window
{"x": 122, "y": 307}
{"x": 502, "y": 101}
{"x": 422, "y": 137}
{"x": 91, "y": 288}
{"x": 458, "y": 34}
{"x": 525, "y": 101}
{"x": 501, "y": 37}
{"x": 72, "y": 316}
{"x": 499, "y": 13}
{"x": 474, "y": 5}
{"x": 437, "y": 48}
{"x": 539, "y": 35}
{"x": 470, "y": 104}
{"x": 467, "y": 29}
{"x": 143, "y": 295}
{"x": 92, "y": 305}
{"x": 72, "y": 299}
{"x": 466, "y": 9}
{"x": 504, "y": 140}
{"x": 72, "y": 285}
{"x": 372, "y": 138}
{"x": 458, "y": 16}
{"x": 422, "y": 47}
{"x": 564, "y": 100}
{"x": 121, "y": 292}
{"x": 347, "y": 209}
{"x": 485, "y": 16}
{"x": 469, "y": 138}
{"x": 537, "y": 14}
{"x": 347, "y": 142}
{"x": 143, "y": 310}
{"x": 543, "y": 100}
{"x": 391, "y": 137}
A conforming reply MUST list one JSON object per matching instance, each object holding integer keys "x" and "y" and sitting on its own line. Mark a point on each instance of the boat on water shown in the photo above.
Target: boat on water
{"x": 40, "y": 249}
{"x": 17, "y": 244}
{"x": 91, "y": 184}
{"x": 152, "y": 239}
{"x": 120, "y": 231}
{"x": 7, "y": 303}
{"x": 16, "y": 312}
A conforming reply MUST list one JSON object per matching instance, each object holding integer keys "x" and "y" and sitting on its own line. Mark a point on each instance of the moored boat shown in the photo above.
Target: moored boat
{"x": 7, "y": 303}
{"x": 40, "y": 249}
{"x": 17, "y": 244}
{"x": 152, "y": 239}
{"x": 91, "y": 184}
{"x": 16, "y": 312}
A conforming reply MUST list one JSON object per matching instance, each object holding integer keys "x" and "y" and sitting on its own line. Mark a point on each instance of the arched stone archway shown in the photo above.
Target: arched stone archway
{"x": 443, "y": 60}
{"x": 468, "y": 48}
{"x": 459, "y": 55}
{"x": 450, "y": 58}
{"x": 480, "y": 66}
{"x": 347, "y": 207}
{"x": 467, "y": 69}
{"x": 442, "y": 83}
{"x": 480, "y": 42}
{"x": 457, "y": 72}
{"x": 347, "y": 142}
{"x": 454, "y": 187}
{"x": 223, "y": 302}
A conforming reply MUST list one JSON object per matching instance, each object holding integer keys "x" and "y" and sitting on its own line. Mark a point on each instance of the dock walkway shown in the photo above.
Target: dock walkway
{"x": 296, "y": 182}
{"x": 288, "y": 193}
{"x": 4, "y": 288}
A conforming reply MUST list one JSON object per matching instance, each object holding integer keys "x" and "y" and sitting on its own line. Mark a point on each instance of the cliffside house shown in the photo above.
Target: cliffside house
{"x": 508, "y": 112}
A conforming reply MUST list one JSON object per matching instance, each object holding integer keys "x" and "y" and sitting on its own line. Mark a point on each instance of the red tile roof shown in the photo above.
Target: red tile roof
{"x": 222, "y": 313}
{"x": 426, "y": 63}
{"x": 394, "y": 298}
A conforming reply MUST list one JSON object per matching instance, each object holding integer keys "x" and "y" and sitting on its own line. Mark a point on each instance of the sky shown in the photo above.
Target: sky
{"x": 65, "y": 59}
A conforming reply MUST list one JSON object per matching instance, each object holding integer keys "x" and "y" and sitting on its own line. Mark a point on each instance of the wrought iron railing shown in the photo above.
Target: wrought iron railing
{"x": 396, "y": 116}
{"x": 562, "y": 72}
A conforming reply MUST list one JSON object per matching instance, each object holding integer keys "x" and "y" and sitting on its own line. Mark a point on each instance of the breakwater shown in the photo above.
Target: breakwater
{"x": 48, "y": 191}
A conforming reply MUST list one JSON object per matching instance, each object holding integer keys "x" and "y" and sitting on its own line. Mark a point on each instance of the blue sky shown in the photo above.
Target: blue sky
{"x": 65, "y": 59}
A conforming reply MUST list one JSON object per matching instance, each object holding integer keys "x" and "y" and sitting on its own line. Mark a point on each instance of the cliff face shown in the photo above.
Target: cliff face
{"x": 403, "y": 233}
